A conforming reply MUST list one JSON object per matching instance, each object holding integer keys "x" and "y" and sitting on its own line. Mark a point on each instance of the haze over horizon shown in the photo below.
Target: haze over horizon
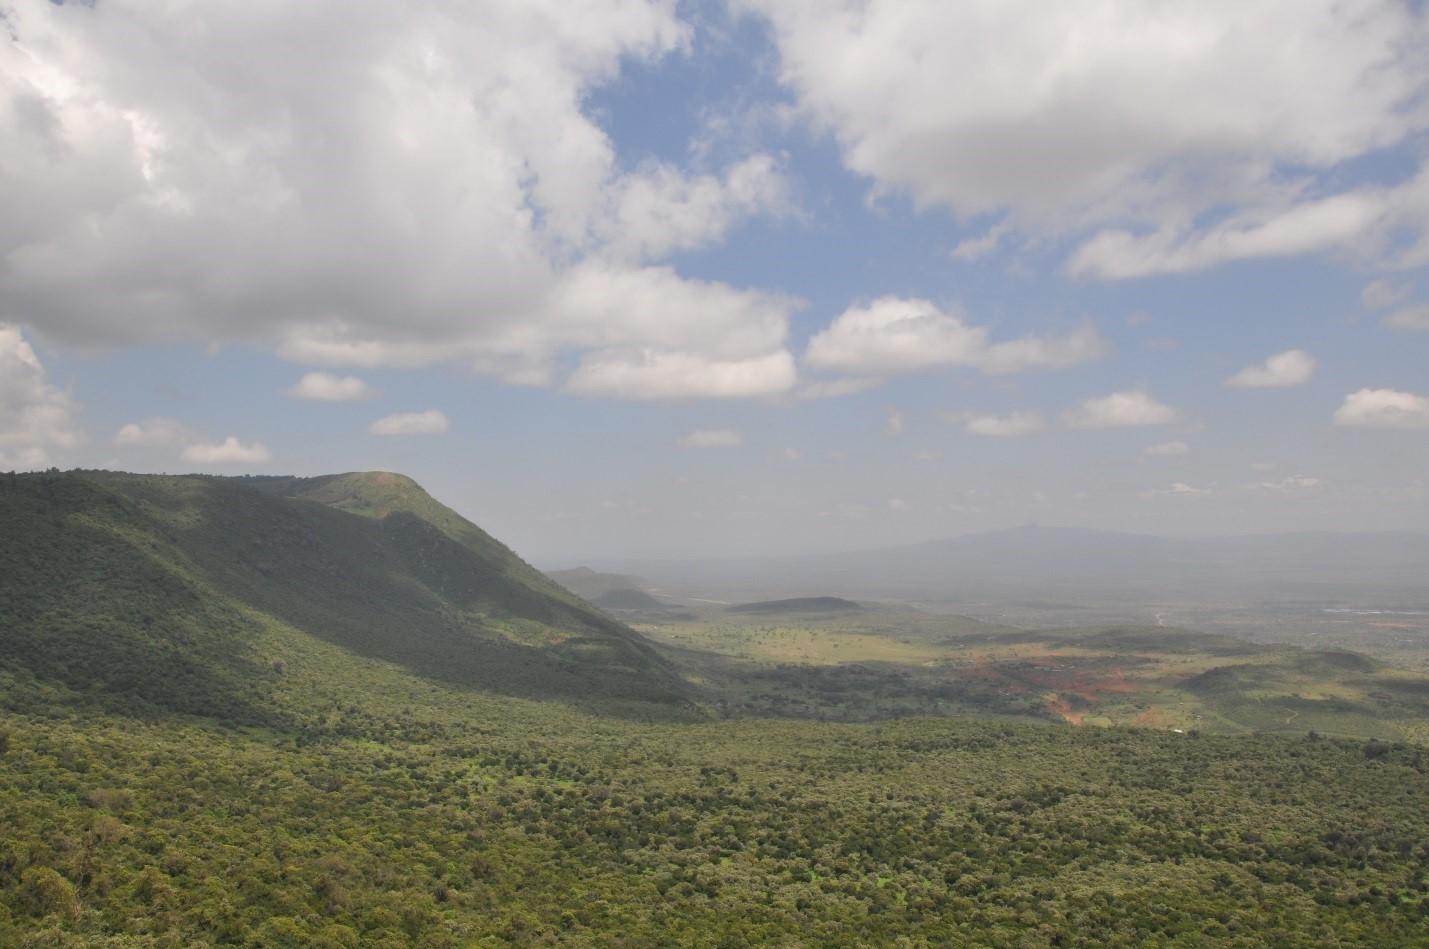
{"x": 647, "y": 279}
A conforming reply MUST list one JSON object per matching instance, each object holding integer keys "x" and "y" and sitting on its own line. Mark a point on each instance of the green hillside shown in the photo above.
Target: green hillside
{"x": 108, "y": 577}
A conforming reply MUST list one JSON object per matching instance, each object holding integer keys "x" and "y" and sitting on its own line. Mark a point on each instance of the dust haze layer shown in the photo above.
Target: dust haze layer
{"x": 1314, "y": 587}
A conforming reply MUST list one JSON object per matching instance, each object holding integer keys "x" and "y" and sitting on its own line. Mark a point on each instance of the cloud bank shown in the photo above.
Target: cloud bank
{"x": 1185, "y": 135}
{"x": 434, "y": 193}
{"x": 36, "y": 417}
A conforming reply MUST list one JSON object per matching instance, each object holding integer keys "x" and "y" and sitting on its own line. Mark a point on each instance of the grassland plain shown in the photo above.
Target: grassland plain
{"x": 889, "y": 660}
{"x": 187, "y": 760}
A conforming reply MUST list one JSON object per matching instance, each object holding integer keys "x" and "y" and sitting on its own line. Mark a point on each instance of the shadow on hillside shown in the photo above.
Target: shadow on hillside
{"x": 400, "y": 591}
{"x": 85, "y": 607}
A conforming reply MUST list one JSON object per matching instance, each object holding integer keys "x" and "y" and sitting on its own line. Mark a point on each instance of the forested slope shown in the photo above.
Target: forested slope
{"x": 103, "y": 575}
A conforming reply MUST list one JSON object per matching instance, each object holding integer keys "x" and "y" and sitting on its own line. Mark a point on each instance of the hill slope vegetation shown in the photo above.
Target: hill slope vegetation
{"x": 109, "y": 577}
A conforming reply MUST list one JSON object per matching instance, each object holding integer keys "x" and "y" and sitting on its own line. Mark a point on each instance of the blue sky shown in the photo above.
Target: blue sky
{"x": 640, "y": 279}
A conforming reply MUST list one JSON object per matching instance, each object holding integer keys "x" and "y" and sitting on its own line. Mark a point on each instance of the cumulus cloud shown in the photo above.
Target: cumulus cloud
{"x": 664, "y": 210}
{"x": 711, "y": 438}
{"x": 1012, "y": 425}
{"x": 1292, "y": 486}
{"x": 652, "y": 374}
{"x": 36, "y": 417}
{"x": 153, "y": 433}
{"x": 430, "y": 422}
{"x": 431, "y": 189}
{"x": 1057, "y": 115}
{"x": 1383, "y": 408}
{"x": 228, "y": 452}
{"x": 1410, "y": 319}
{"x": 326, "y": 387}
{"x": 1382, "y": 293}
{"x": 895, "y": 335}
{"x": 1291, "y": 368}
{"x": 1120, "y": 410}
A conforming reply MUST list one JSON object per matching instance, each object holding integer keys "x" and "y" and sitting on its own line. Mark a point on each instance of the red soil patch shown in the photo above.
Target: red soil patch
{"x": 1151, "y": 718}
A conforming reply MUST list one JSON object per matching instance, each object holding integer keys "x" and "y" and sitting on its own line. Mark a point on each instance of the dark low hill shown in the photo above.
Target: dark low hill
{"x": 800, "y": 604}
{"x": 147, "y": 590}
{"x": 630, "y": 600}
{"x": 592, "y": 585}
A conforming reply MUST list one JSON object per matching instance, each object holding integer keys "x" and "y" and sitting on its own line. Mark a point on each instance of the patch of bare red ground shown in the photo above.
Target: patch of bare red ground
{"x": 1151, "y": 718}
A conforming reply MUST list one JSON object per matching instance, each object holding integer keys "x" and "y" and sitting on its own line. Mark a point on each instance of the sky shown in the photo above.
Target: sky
{"x": 632, "y": 278}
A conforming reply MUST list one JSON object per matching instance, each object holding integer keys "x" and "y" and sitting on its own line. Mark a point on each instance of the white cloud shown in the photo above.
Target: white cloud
{"x": 36, "y": 417}
{"x": 1291, "y": 368}
{"x": 899, "y": 506}
{"x": 1120, "y": 410}
{"x": 1410, "y": 319}
{"x": 975, "y": 248}
{"x": 651, "y": 374}
{"x": 1382, "y": 293}
{"x": 1012, "y": 425}
{"x": 326, "y": 387}
{"x": 228, "y": 452}
{"x": 1092, "y": 111}
{"x": 1293, "y": 485}
{"x": 895, "y": 335}
{"x": 1263, "y": 466}
{"x": 893, "y": 423}
{"x": 663, "y": 210}
{"x": 152, "y": 433}
{"x": 1300, "y": 228}
{"x": 1383, "y": 408}
{"x": 835, "y": 388}
{"x": 1178, "y": 490}
{"x": 1169, "y": 449}
{"x": 711, "y": 438}
{"x": 430, "y": 422}
{"x": 432, "y": 188}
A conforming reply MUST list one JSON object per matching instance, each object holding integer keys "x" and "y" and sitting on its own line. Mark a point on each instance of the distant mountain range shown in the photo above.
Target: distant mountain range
{"x": 1052, "y": 562}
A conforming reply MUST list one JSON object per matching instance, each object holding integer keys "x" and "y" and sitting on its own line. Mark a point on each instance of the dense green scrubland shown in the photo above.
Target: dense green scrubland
{"x": 190, "y": 754}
